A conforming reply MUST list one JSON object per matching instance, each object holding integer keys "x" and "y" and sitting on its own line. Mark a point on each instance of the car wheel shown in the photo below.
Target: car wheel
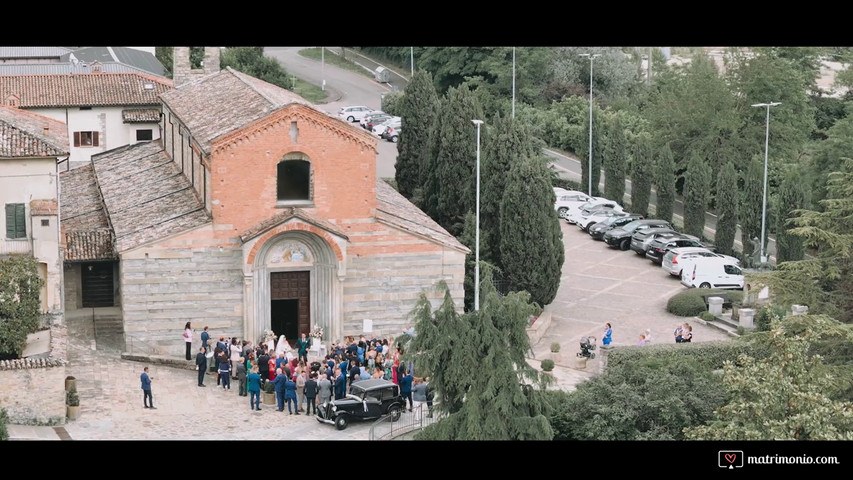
{"x": 341, "y": 422}
{"x": 394, "y": 139}
{"x": 394, "y": 412}
{"x": 705, "y": 285}
{"x": 350, "y": 118}
{"x": 591, "y": 356}
{"x": 562, "y": 212}
{"x": 589, "y": 225}
{"x": 625, "y": 244}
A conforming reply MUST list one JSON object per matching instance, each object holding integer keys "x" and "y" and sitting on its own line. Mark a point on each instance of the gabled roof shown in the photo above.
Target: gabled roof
{"x": 394, "y": 209}
{"x": 26, "y": 134}
{"x": 85, "y": 229}
{"x": 225, "y": 101}
{"x": 145, "y": 194}
{"x": 286, "y": 215}
{"x": 84, "y": 90}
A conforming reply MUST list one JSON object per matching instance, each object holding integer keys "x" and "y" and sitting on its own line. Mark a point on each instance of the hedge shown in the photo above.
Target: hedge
{"x": 692, "y": 302}
{"x": 4, "y": 433}
{"x": 710, "y": 354}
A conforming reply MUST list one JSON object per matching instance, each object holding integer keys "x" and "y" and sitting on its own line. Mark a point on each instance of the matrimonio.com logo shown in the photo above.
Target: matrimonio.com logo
{"x": 730, "y": 459}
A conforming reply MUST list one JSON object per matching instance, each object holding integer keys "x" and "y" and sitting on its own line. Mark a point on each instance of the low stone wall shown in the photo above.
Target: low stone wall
{"x": 32, "y": 391}
{"x": 539, "y": 327}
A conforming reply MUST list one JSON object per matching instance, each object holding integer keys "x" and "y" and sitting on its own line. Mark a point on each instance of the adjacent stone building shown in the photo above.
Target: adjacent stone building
{"x": 255, "y": 210}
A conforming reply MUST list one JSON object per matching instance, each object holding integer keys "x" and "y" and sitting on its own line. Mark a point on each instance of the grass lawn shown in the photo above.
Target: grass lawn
{"x": 334, "y": 59}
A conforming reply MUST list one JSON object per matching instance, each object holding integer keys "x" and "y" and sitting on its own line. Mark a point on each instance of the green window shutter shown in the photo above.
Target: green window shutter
{"x": 16, "y": 221}
{"x": 20, "y": 221}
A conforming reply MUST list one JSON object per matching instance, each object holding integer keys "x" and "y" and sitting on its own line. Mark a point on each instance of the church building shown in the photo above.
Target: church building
{"x": 254, "y": 210}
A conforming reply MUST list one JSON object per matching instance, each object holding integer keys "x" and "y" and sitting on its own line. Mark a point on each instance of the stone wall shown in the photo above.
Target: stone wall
{"x": 164, "y": 288}
{"x": 385, "y": 288}
{"x": 32, "y": 391}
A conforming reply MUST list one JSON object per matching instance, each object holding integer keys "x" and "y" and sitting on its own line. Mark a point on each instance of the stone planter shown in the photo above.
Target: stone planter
{"x": 70, "y": 382}
{"x": 268, "y": 398}
{"x": 72, "y": 412}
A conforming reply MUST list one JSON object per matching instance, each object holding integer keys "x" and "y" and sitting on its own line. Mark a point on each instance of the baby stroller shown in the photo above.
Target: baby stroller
{"x": 587, "y": 345}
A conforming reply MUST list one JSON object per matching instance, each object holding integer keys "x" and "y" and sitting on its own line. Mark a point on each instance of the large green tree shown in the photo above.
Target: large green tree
{"x": 615, "y": 160}
{"x": 750, "y": 208}
{"x": 20, "y": 307}
{"x": 697, "y": 193}
{"x": 451, "y": 182}
{"x": 781, "y": 397}
{"x": 252, "y": 61}
{"x": 829, "y": 156}
{"x": 476, "y": 403}
{"x": 727, "y": 209}
{"x": 665, "y": 176}
{"x": 508, "y": 143}
{"x": 642, "y": 175}
{"x": 791, "y": 197}
{"x": 528, "y": 219}
{"x": 418, "y": 110}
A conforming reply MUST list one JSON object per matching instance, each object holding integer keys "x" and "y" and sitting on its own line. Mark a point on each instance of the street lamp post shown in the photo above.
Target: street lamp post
{"x": 513, "y": 82}
{"x": 477, "y": 234}
{"x": 412, "y": 60}
{"x": 323, "y": 68}
{"x": 766, "y": 146}
{"x": 591, "y": 57}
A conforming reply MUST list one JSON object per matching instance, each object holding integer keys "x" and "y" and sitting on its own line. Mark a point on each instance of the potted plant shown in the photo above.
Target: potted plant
{"x": 70, "y": 382}
{"x": 547, "y": 365}
{"x": 72, "y": 402}
{"x": 556, "y": 356}
{"x": 269, "y": 394}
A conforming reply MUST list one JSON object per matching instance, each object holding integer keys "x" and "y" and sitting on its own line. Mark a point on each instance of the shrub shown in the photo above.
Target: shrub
{"x": 708, "y": 354}
{"x": 269, "y": 387}
{"x": 692, "y": 302}
{"x": 4, "y": 433}
{"x": 767, "y": 313}
{"x": 391, "y": 102}
{"x": 707, "y": 316}
{"x": 20, "y": 307}
{"x": 71, "y": 397}
{"x": 555, "y": 347}
{"x": 547, "y": 365}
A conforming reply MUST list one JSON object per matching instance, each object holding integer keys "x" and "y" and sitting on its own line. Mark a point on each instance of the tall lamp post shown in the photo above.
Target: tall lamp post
{"x": 477, "y": 235}
{"x": 766, "y": 145}
{"x": 591, "y": 57}
{"x": 513, "y": 82}
{"x": 323, "y": 67}
{"x": 412, "y": 60}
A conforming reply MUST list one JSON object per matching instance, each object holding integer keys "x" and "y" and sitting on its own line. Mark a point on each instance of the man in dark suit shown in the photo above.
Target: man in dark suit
{"x": 302, "y": 346}
{"x": 264, "y": 365}
{"x": 310, "y": 393}
{"x": 201, "y": 363}
{"x": 340, "y": 384}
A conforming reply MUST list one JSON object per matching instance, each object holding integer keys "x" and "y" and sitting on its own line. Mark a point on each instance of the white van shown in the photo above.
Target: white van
{"x": 713, "y": 273}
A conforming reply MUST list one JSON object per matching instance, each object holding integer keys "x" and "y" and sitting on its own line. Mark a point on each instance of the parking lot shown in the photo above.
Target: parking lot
{"x": 603, "y": 284}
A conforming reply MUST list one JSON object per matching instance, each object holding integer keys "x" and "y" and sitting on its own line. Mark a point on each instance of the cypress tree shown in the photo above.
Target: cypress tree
{"x": 532, "y": 250}
{"x": 791, "y": 197}
{"x": 418, "y": 110}
{"x": 508, "y": 143}
{"x": 697, "y": 192}
{"x": 615, "y": 161}
{"x": 642, "y": 174}
{"x": 477, "y": 403}
{"x": 597, "y": 150}
{"x": 452, "y": 179}
{"x": 726, "y": 209}
{"x": 665, "y": 181}
{"x": 749, "y": 211}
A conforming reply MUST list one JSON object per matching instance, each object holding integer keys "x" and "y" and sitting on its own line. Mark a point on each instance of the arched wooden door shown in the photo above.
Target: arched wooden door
{"x": 290, "y": 304}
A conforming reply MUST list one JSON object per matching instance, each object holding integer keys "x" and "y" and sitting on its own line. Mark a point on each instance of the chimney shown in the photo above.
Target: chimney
{"x": 182, "y": 71}
{"x": 47, "y": 129}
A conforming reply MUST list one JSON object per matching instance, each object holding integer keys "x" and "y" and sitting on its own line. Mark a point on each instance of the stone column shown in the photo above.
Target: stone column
{"x": 746, "y": 316}
{"x": 715, "y": 305}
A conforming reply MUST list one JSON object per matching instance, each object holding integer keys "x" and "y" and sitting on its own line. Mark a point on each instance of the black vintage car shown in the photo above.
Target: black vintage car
{"x": 368, "y": 400}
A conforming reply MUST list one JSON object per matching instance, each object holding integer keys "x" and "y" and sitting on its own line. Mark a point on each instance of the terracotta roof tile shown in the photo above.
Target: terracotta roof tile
{"x": 28, "y": 134}
{"x": 394, "y": 209}
{"x": 84, "y": 89}
{"x": 88, "y": 245}
{"x": 82, "y": 208}
{"x": 140, "y": 115}
{"x": 285, "y": 215}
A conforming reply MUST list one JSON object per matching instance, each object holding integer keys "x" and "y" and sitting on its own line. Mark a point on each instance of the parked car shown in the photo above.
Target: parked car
{"x": 379, "y": 128}
{"x": 353, "y": 113}
{"x": 640, "y": 240}
{"x": 678, "y": 259}
{"x": 392, "y": 134}
{"x": 371, "y": 119}
{"x": 659, "y": 247}
{"x": 713, "y": 273}
{"x": 569, "y": 200}
{"x": 368, "y": 400}
{"x": 621, "y": 237}
{"x": 598, "y": 214}
{"x": 577, "y": 213}
{"x": 597, "y": 231}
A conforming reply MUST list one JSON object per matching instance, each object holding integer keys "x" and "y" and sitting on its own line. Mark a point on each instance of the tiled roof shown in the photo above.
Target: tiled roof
{"x": 224, "y": 101}
{"x": 85, "y": 89}
{"x": 33, "y": 52}
{"x": 82, "y": 208}
{"x": 145, "y": 194}
{"x": 27, "y": 134}
{"x": 286, "y": 215}
{"x": 394, "y": 209}
{"x": 44, "y": 207}
{"x": 140, "y": 115}
{"x": 66, "y": 68}
{"x": 124, "y": 55}
{"x": 88, "y": 245}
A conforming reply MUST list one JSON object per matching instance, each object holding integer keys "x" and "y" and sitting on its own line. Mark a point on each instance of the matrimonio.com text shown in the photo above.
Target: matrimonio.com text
{"x": 732, "y": 459}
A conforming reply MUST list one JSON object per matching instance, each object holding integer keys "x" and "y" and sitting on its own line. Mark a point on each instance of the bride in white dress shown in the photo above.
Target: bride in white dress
{"x": 282, "y": 347}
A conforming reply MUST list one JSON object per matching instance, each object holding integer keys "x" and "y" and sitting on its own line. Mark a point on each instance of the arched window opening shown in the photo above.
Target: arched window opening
{"x": 294, "y": 180}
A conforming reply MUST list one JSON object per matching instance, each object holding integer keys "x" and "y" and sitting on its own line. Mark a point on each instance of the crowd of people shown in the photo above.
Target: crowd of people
{"x": 302, "y": 385}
